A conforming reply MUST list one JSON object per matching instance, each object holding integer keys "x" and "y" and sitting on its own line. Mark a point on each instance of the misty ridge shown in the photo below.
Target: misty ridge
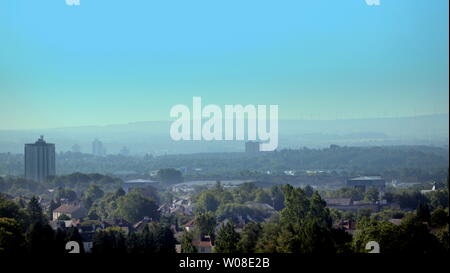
{"x": 153, "y": 137}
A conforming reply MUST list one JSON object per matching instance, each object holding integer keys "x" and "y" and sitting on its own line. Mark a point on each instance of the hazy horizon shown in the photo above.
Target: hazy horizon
{"x": 153, "y": 136}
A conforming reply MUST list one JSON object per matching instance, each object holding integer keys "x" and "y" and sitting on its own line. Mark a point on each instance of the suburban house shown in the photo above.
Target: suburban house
{"x": 204, "y": 244}
{"x": 71, "y": 210}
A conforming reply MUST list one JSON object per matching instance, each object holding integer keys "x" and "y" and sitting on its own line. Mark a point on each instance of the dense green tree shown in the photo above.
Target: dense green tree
{"x": 53, "y": 205}
{"x": 356, "y": 194}
{"x": 318, "y": 210}
{"x": 296, "y": 205}
{"x": 12, "y": 240}
{"x": 438, "y": 198}
{"x": 93, "y": 193}
{"x": 263, "y": 197}
{"x": 134, "y": 243}
{"x": 10, "y": 209}
{"x": 149, "y": 239}
{"x": 41, "y": 239}
{"x": 308, "y": 191}
{"x": 439, "y": 217}
{"x": 372, "y": 194}
{"x": 207, "y": 201}
{"x": 110, "y": 240}
{"x": 65, "y": 193}
{"x": 170, "y": 176}
{"x": 277, "y": 197}
{"x": 165, "y": 240}
{"x": 134, "y": 207}
{"x": 105, "y": 207}
{"x": 119, "y": 192}
{"x": 238, "y": 212}
{"x": 268, "y": 238}
{"x": 148, "y": 192}
{"x": 227, "y": 239}
{"x": 382, "y": 232}
{"x": 342, "y": 241}
{"x": 412, "y": 237}
{"x": 415, "y": 238}
{"x": 249, "y": 237}
{"x": 444, "y": 238}
{"x": 34, "y": 211}
{"x": 423, "y": 212}
{"x": 186, "y": 243}
{"x": 206, "y": 223}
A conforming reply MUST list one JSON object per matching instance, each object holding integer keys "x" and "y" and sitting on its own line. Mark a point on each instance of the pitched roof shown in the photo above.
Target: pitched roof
{"x": 67, "y": 208}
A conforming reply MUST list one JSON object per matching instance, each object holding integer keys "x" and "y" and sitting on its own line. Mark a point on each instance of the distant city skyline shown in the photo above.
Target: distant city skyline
{"x": 105, "y": 63}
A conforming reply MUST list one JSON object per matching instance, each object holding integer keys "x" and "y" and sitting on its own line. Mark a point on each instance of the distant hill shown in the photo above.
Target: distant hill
{"x": 153, "y": 136}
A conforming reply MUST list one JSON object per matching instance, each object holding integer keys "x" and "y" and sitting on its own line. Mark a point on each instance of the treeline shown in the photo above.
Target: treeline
{"x": 407, "y": 163}
{"x": 75, "y": 182}
{"x": 154, "y": 238}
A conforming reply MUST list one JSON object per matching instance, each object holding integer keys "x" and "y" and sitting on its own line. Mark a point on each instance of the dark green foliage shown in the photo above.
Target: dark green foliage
{"x": 41, "y": 240}
{"x": 109, "y": 241}
{"x": 249, "y": 237}
{"x": 93, "y": 193}
{"x": 240, "y": 211}
{"x": 407, "y": 199}
{"x": 12, "y": 240}
{"x": 170, "y": 176}
{"x": 277, "y": 197}
{"x": 227, "y": 239}
{"x": 412, "y": 237}
{"x": 186, "y": 243}
{"x": 134, "y": 207}
{"x": 207, "y": 201}
{"x": 423, "y": 212}
{"x": 372, "y": 195}
{"x": 205, "y": 223}
{"x": 439, "y": 217}
{"x": 148, "y": 192}
{"x": 155, "y": 238}
{"x": 34, "y": 211}
{"x": 63, "y": 217}
{"x": 65, "y": 193}
{"x": 308, "y": 191}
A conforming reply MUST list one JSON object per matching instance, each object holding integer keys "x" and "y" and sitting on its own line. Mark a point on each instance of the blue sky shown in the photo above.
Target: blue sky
{"x": 107, "y": 62}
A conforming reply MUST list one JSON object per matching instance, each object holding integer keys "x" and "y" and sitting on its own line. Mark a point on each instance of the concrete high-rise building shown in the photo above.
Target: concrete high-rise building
{"x": 39, "y": 160}
{"x": 97, "y": 148}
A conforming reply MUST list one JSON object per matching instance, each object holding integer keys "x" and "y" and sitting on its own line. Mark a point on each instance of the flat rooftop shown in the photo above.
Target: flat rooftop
{"x": 367, "y": 178}
{"x": 140, "y": 181}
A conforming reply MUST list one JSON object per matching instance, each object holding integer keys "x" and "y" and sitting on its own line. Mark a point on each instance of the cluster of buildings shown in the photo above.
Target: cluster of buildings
{"x": 363, "y": 183}
{"x": 40, "y": 157}
{"x": 75, "y": 213}
{"x": 183, "y": 206}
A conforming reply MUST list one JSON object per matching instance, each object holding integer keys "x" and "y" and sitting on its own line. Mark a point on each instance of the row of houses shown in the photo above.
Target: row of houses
{"x": 182, "y": 206}
{"x": 88, "y": 228}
